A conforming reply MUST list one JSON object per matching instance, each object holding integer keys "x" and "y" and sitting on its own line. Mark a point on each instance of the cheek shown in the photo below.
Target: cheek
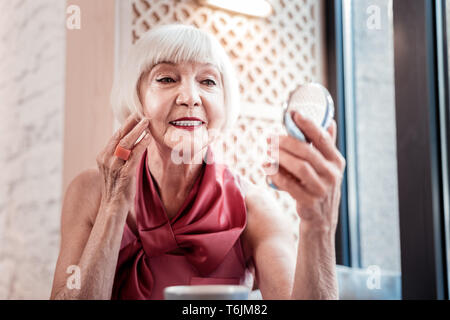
{"x": 153, "y": 105}
{"x": 154, "y": 109}
{"x": 216, "y": 114}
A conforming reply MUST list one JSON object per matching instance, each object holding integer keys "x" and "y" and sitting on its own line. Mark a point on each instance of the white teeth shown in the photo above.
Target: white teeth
{"x": 187, "y": 123}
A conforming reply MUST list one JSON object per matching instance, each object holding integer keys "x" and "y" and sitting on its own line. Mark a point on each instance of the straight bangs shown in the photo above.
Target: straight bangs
{"x": 186, "y": 45}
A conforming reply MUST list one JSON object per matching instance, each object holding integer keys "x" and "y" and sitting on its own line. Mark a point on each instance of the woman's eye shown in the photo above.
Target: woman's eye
{"x": 165, "y": 80}
{"x": 209, "y": 82}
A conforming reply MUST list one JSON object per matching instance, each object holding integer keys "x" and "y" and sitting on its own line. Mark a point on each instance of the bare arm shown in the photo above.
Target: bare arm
{"x": 94, "y": 213}
{"x": 286, "y": 269}
{"x": 92, "y": 248}
{"x": 270, "y": 235}
{"x": 312, "y": 175}
{"x": 315, "y": 273}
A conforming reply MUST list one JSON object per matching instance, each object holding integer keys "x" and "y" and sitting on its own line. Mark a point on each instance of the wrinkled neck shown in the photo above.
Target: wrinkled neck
{"x": 173, "y": 180}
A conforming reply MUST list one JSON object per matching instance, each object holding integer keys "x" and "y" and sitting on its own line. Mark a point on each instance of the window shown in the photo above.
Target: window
{"x": 414, "y": 84}
{"x": 370, "y": 136}
{"x": 371, "y": 132}
{"x": 403, "y": 73}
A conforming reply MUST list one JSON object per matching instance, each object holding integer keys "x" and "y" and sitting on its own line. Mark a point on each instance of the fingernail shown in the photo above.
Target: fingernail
{"x": 270, "y": 183}
{"x": 268, "y": 167}
{"x": 293, "y": 114}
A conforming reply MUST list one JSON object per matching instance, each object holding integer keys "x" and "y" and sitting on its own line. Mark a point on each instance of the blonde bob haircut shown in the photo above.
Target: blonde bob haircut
{"x": 172, "y": 43}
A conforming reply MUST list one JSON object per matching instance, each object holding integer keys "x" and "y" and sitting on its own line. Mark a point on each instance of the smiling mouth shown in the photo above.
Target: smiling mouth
{"x": 187, "y": 124}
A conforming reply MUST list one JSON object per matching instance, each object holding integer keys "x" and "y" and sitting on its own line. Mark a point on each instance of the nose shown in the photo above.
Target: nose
{"x": 188, "y": 95}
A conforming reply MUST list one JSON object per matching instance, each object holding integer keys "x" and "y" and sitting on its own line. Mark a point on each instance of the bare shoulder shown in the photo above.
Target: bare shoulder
{"x": 84, "y": 192}
{"x": 265, "y": 218}
{"x": 88, "y": 179}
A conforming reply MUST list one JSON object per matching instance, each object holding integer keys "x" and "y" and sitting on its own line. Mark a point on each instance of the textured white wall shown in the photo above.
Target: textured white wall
{"x": 32, "y": 66}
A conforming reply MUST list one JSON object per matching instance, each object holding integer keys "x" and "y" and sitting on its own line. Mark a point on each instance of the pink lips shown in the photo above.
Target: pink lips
{"x": 188, "y": 119}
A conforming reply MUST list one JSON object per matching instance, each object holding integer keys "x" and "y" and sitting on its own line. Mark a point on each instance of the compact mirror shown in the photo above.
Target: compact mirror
{"x": 310, "y": 100}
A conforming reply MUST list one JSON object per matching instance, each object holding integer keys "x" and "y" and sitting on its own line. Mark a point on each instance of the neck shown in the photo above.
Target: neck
{"x": 174, "y": 180}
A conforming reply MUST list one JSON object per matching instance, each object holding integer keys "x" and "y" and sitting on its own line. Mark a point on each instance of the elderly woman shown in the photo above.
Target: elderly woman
{"x": 143, "y": 220}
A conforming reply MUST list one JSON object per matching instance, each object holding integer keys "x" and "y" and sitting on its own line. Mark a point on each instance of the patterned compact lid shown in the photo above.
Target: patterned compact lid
{"x": 312, "y": 101}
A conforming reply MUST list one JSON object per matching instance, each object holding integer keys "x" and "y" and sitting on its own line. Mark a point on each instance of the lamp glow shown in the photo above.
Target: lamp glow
{"x": 256, "y": 8}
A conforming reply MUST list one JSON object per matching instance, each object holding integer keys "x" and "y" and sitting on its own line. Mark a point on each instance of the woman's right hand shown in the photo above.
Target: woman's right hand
{"x": 119, "y": 176}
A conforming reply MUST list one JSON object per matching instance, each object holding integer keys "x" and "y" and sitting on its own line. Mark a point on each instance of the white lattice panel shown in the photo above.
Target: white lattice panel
{"x": 271, "y": 57}
{"x": 244, "y": 150}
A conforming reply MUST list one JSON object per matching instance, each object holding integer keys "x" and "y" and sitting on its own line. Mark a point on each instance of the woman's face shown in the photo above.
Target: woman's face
{"x": 170, "y": 92}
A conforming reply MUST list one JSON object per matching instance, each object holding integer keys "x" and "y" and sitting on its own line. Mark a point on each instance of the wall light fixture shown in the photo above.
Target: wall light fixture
{"x": 255, "y": 8}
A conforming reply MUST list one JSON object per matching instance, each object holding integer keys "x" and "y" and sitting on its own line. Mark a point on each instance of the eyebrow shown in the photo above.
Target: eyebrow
{"x": 214, "y": 69}
{"x": 166, "y": 62}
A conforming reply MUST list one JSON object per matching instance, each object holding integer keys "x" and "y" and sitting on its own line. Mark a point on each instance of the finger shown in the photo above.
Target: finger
{"x": 332, "y": 130}
{"x": 138, "y": 150}
{"x": 319, "y": 137}
{"x": 284, "y": 181}
{"x": 126, "y": 127}
{"x": 131, "y": 138}
{"x": 129, "y": 141}
{"x": 306, "y": 152}
{"x": 304, "y": 172}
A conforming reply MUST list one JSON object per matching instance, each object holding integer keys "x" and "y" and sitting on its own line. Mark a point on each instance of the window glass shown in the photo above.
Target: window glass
{"x": 371, "y": 140}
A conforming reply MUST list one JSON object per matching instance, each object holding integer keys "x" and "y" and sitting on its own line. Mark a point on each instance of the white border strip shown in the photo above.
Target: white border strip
{"x": 443, "y": 129}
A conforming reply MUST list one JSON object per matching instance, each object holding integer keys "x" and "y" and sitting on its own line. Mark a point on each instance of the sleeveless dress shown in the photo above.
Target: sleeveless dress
{"x": 207, "y": 229}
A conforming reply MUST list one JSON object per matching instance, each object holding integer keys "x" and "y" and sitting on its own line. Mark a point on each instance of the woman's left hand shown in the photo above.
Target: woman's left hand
{"x": 312, "y": 174}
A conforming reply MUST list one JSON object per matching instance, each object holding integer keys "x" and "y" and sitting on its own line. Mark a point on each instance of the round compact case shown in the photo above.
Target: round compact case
{"x": 311, "y": 100}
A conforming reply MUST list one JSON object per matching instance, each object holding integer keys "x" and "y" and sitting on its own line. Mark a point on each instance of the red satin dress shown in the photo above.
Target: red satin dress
{"x": 207, "y": 229}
